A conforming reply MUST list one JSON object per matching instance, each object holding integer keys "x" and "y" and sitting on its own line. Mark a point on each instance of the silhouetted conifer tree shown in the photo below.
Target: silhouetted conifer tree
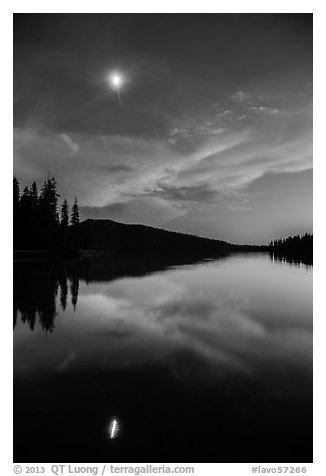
{"x": 16, "y": 220}
{"x": 64, "y": 214}
{"x": 48, "y": 210}
{"x": 34, "y": 216}
{"x": 16, "y": 194}
{"x": 25, "y": 212}
{"x": 75, "y": 213}
{"x": 34, "y": 193}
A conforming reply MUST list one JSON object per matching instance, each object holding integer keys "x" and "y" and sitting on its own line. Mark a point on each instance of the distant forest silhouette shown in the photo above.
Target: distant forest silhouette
{"x": 40, "y": 227}
{"x": 297, "y": 249}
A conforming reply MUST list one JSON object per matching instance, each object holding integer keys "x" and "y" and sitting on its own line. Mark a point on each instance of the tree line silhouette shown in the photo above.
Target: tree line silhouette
{"x": 37, "y": 222}
{"x": 293, "y": 243}
{"x": 296, "y": 249}
{"x": 38, "y": 225}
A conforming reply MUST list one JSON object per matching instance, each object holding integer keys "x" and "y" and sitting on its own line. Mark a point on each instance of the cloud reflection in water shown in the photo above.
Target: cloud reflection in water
{"x": 238, "y": 313}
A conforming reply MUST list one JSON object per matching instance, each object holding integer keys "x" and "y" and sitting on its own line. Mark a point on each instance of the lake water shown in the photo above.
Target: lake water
{"x": 135, "y": 361}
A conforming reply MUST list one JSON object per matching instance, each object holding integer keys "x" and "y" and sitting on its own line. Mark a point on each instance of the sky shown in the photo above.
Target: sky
{"x": 213, "y": 135}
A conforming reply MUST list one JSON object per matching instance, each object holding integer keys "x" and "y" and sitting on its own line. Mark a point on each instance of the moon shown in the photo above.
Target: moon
{"x": 116, "y": 80}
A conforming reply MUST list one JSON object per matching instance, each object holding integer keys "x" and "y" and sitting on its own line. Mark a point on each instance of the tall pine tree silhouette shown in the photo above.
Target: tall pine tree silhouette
{"x": 74, "y": 213}
{"x": 64, "y": 223}
{"x": 48, "y": 210}
{"x": 64, "y": 214}
{"x": 16, "y": 198}
{"x": 16, "y": 194}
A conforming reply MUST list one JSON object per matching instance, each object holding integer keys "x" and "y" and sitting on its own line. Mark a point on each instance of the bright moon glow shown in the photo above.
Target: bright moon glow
{"x": 116, "y": 80}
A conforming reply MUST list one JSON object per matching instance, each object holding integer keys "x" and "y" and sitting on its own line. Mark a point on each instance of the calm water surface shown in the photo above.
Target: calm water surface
{"x": 127, "y": 362}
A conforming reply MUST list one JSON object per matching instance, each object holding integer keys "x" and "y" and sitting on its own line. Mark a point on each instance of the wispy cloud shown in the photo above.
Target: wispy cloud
{"x": 67, "y": 139}
{"x": 176, "y": 193}
{"x": 197, "y": 165}
{"x": 195, "y": 131}
{"x": 240, "y": 96}
{"x": 113, "y": 168}
{"x": 264, "y": 110}
{"x": 223, "y": 162}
